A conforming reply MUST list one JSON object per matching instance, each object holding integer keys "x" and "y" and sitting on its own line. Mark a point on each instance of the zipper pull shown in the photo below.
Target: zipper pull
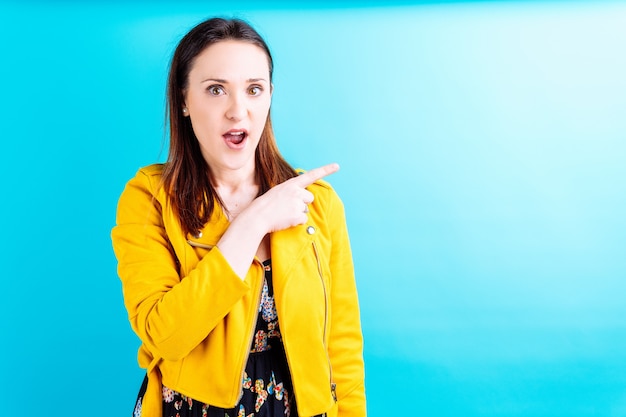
{"x": 333, "y": 390}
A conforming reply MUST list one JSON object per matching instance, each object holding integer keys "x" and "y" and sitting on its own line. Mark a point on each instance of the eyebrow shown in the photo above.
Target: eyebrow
{"x": 222, "y": 81}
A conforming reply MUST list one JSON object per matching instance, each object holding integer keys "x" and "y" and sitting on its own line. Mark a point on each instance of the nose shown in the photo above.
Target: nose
{"x": 237, "y": 108}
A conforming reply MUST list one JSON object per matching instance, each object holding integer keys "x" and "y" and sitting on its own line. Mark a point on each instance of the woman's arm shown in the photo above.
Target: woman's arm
{"x": 163, "y": 307}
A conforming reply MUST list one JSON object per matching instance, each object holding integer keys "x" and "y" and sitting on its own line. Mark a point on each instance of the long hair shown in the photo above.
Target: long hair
{"x": 186, "y": 175}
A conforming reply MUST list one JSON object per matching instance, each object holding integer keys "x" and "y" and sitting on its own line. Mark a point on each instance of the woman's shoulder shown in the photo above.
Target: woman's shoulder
{"x": 154, "y": 170}
{"x": 149, "y": 175}
{"x": 142, "y": 193}
{"x": 146, "y": 181}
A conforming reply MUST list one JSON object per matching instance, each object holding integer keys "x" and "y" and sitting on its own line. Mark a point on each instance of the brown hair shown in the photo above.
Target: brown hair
{"x": 187, "y": 176}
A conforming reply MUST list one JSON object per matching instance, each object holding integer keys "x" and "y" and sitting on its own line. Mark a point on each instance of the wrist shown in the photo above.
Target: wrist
{"x": 252, "y": 221}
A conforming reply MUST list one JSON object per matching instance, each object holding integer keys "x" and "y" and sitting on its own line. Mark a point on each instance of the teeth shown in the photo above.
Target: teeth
{"x": 236, "y": 133}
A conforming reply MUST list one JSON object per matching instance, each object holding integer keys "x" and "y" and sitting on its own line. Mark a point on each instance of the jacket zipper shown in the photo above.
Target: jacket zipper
{"x": 333, "y": 386}
{"x": 253, "y": 327}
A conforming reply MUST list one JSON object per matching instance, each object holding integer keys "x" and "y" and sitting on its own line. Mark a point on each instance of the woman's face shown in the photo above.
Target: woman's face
{"x": 228, "y": 99}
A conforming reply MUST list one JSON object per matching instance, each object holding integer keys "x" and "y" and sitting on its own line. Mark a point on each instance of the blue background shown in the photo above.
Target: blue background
{"x": 482, "y": 147}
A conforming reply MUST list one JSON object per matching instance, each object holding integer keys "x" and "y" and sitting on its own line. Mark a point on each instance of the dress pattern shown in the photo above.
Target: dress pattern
{"x": 266, "y": 385}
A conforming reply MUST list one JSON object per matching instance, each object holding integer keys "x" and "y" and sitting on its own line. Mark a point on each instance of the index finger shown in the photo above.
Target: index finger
{"x": 315, "y": 174}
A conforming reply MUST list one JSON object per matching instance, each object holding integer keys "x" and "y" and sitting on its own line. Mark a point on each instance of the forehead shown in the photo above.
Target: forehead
{"x": 231, "y": 59}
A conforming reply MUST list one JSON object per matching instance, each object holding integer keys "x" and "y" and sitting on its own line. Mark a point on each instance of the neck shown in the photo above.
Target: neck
{"x": 236, "y": 189}
{"x": 232, "y": 180}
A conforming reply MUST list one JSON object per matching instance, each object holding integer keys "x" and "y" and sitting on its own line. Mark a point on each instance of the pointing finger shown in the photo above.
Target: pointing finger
{"x": 315, "y": 174}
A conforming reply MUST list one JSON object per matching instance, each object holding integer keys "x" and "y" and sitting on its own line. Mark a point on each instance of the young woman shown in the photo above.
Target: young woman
{"x": 237, "y": 272}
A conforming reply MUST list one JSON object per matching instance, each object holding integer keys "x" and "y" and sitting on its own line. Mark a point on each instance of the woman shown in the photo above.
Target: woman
{"x": 236, "y": 271}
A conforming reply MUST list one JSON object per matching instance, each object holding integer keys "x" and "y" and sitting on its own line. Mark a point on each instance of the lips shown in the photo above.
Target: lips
{"x": 235, "y": 138}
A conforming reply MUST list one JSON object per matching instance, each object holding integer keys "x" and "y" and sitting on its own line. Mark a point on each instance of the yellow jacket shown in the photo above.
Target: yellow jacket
{"x": 196, "y": 317}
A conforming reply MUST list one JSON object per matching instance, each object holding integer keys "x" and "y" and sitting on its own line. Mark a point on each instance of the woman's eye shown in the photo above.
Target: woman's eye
{"x": 255, "y": 90}
{"x": 215, "y": 90}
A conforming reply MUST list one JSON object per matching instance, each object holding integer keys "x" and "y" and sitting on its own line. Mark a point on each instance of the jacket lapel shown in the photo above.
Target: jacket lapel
{"x": 288, "y": 247}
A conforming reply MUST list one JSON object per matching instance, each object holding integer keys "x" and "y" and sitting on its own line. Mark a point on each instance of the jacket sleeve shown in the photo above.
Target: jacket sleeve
{"x": 345, "y": 343}
{"x": 170, "y": 314}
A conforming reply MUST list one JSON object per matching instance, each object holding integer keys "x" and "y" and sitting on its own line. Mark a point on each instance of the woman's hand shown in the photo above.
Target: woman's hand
{"x": 286, "y": 205}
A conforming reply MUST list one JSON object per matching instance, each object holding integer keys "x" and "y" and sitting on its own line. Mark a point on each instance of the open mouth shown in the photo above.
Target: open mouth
{"x": 235, "y": 138}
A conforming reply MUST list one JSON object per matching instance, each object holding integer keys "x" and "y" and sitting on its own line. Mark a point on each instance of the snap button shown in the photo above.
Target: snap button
{"x": 310, "y": 230}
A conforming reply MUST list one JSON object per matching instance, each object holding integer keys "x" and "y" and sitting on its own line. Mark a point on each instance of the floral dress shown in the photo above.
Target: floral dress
{"x": 266, "y": 384}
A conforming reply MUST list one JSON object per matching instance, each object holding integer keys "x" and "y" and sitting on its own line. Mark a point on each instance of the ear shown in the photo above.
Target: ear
{"x": 185, "y": 109}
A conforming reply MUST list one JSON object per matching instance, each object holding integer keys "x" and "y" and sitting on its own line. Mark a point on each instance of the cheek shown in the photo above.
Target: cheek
{"x": 262, "y": 109}
{"x": 204, "y": 127}
{"x": 204, "y": 118}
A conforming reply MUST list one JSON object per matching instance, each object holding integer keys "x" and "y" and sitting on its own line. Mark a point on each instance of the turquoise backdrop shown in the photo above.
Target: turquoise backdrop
{"x": 483, "y": 154}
